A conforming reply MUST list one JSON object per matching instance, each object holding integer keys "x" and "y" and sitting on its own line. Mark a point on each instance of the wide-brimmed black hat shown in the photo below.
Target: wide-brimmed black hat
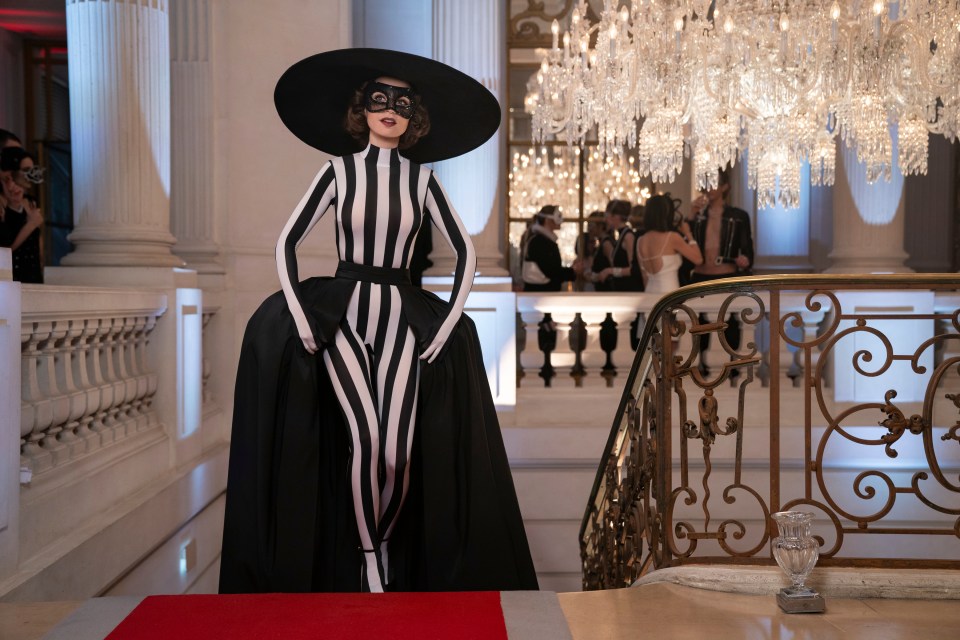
{"x": 313, "y": 95}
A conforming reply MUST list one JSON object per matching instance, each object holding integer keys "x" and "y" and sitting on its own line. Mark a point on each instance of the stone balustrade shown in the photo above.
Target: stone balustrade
{"x": 596, "y": 334}
{"x": 86, "y": 373}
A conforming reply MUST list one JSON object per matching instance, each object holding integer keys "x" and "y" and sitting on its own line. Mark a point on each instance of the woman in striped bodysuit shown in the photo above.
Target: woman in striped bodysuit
{"x": 381, "y": 200}
{"x": 375, "y": 337}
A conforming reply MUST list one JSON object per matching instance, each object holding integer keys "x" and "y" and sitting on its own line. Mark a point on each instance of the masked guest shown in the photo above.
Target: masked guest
{"x": 543, "y": 269}
{"x": 618, "y": 249}
{"x": 723, "y": 234}
{"x": 20, "y": 218}
{"x": 360, "y": 395}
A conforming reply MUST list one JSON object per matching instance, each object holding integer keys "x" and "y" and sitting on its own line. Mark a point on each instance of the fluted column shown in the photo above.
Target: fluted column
{"x": 469, "y": 37}
{"x": 868, "y": 220}
{"x": 191, "y": 136}
{"x": 119, "y": 56}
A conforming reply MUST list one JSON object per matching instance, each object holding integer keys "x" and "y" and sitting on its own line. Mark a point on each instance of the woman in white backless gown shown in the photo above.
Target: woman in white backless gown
{"x": 661, "y": 250}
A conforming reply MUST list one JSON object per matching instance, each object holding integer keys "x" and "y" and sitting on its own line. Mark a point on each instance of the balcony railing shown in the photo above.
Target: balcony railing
{"x": 86, "y": 377}
{"x": 860, "y": 424}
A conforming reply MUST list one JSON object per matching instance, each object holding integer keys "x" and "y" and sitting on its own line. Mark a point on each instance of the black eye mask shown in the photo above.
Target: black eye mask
{"x": 381, "y": 97}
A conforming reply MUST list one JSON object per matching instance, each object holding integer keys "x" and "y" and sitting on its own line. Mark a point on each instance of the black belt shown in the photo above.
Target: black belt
{"x": 376, "y": 275}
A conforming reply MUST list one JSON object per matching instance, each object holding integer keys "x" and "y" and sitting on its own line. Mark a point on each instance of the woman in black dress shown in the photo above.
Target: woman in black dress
{"x": 366, "y": 453}
{"x": 20, "y": 218}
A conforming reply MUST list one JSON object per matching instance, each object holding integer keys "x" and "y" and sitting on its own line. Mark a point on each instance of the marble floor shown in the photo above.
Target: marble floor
{"x": 32, "y": 620}
{"x": 668, "y": 611}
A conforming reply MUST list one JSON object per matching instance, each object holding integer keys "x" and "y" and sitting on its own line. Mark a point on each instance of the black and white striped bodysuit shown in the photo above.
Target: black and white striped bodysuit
{"x": 381, "y": 201}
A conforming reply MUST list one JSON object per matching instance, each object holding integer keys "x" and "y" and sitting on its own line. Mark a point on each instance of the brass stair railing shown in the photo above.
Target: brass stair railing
{"x": 865, "y": 433}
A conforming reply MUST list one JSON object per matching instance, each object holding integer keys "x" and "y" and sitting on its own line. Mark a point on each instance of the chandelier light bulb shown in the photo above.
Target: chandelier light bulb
{"x": 707, "y": 94}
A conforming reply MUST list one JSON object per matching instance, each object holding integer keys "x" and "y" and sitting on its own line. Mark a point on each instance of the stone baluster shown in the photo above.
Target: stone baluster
{"x": 143, "y": 364}
{"x": 623, "y": 354}
{"x": 563, "y": 356}
{"x": 98, "y": 380}
{"x": 593, "y": 357}
{"x": 137, "y": 413}
{"x": 77, "y": 399}
{"x": 108, "y": 368}
{"x": 36, "y": 410}
{"x": 126, "y": 412}
{"x": 59, "y": 403}
{"x": 531, "y": 358}
{"x": 81, "y": 378}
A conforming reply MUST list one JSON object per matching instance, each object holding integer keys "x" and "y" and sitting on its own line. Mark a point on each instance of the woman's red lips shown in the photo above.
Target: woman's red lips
{"x": 389, "y": 122}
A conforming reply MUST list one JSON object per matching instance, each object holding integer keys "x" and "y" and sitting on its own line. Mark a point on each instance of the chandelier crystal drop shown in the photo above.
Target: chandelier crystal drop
{"x": 787, "y": 79}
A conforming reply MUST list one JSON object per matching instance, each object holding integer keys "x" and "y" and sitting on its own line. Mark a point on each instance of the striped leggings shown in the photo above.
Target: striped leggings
{"x": 374, "y": 366}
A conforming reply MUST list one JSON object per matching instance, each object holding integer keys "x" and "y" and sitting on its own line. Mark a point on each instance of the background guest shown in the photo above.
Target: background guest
{"x": 723, "y": 234}
{"x": 662, "y": 248}
{"x": 618, "y": 248}
{"x": 543, "y": 269}
{"x": 20, "y": 218}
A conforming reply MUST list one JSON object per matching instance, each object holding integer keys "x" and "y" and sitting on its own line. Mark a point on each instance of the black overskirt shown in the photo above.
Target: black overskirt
{"x": 289, "y": 524}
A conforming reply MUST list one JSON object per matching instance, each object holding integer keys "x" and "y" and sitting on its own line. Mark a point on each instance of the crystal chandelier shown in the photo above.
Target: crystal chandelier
{"x": 784, "y": 79}
{"x": 550, "y": 175}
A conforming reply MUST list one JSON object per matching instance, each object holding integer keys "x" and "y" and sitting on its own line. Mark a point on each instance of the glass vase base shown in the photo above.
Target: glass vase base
{"x": 811, "y": 602}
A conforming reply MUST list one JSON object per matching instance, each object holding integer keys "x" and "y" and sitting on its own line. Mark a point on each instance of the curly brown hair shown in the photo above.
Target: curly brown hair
{"x": 355, "y": 121}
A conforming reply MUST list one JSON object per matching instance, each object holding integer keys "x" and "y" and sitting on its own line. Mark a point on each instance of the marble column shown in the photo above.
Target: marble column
{"x": 192, "y": 213}
{"x": 119, "y": 56}
{"x": 469, "y": 37}
{"x": 868, "y": 220}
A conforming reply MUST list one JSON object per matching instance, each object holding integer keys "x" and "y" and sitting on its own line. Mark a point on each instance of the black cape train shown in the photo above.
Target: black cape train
{"x": 289, "y": 523}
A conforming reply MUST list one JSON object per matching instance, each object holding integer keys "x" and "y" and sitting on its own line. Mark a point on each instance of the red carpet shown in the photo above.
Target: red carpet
{"x": 329, "y": 616}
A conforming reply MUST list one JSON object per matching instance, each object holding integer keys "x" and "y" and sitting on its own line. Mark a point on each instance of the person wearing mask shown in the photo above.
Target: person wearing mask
{"x": 359, "y": 395}
{"x": 723, "y": 234}
{"x": 543, "y": 269}
{"x": 588, "y": 247}
{"x": 617, "y": 247}
{"x": 20, "y": 218}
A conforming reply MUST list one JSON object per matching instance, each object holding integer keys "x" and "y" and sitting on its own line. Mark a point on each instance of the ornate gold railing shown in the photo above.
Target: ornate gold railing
{"x": 863, "y": 428}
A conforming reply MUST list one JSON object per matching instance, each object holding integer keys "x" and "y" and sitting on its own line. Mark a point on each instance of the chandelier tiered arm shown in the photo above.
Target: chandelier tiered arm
{"x": 782, "y": 79}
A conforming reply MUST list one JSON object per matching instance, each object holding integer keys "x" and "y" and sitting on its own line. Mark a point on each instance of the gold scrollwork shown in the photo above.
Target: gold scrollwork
{"x": 954, "y": 432}
{"x": 897, "y": 424}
